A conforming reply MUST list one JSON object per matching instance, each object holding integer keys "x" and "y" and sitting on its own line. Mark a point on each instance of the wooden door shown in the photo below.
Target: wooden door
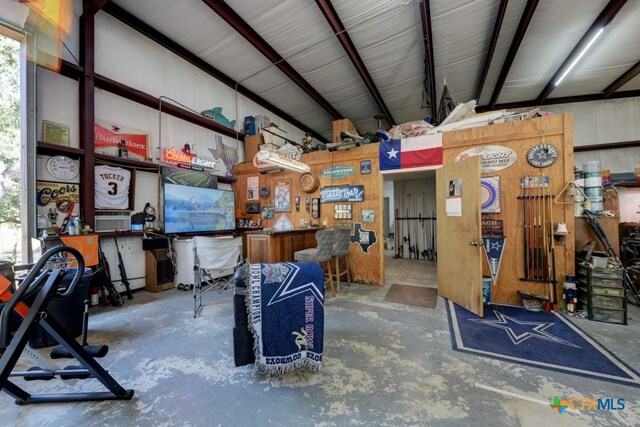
{"x": 459, "y": 236}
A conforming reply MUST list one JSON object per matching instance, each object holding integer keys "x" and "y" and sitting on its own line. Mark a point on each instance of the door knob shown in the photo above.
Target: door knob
{"x": 475, "y": 243}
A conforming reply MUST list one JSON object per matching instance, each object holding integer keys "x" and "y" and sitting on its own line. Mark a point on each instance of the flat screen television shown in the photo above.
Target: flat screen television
{"x": 198, "y": 210}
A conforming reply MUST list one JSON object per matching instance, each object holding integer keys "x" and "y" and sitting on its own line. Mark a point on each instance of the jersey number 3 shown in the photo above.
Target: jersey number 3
{"x": 113, "y": 188}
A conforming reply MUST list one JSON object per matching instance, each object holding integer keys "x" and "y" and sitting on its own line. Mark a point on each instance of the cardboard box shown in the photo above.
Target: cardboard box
{"x": 339, "y": 126}
{"x": 251, "y": 146}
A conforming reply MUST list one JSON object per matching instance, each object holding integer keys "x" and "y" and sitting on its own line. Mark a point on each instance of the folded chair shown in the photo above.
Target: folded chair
{"x": 215, "y": 259}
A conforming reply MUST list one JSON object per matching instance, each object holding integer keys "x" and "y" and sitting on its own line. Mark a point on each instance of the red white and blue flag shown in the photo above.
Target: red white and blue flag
{"x": 414, "y": 153}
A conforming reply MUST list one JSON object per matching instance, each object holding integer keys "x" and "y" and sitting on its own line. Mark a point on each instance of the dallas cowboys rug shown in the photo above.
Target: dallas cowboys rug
{"x": 541, "y": 339}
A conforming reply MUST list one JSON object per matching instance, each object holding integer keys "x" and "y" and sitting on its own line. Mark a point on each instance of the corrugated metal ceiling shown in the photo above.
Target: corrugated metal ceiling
{"x": 388, "y": 37}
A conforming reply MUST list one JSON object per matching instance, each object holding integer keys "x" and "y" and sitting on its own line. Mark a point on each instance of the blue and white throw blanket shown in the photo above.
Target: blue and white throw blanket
{"x": 286, "y": 316}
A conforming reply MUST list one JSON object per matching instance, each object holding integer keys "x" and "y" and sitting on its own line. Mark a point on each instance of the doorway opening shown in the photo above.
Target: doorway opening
{"x": 11, "y": 231}
{"x": 410, "y": 243}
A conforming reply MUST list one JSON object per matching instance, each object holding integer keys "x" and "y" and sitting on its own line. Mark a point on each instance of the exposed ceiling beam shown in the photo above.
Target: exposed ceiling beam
{"x": 622, "y": 80}
{"x": 334, "y": 21}
{"x": 560, "y": 100}
{"x": 525, "y": 20}
{"x": 93, "y": 6}
{"x": 164, "y": 41}
{"x": 427, "y": 37}
{"x": 492, "y": 46}
{"x": 237, "y": 23}
{"x": 607, "y": 14}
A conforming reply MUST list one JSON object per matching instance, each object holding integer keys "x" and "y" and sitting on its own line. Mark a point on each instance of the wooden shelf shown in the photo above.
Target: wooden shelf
{"x": 103, "y": 158}
{"x": 55, "y": 149}
{"x": 626, "y": 184}
{"x": 227, "y": 179}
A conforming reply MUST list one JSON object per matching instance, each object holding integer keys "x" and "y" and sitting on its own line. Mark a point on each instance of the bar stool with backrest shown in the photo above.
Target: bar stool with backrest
{"x": 321, "y": 254}
{"x": 340, "y": 251}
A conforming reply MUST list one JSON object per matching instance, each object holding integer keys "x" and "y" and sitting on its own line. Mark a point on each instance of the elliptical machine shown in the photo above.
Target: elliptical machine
{"x": 44, "y": 283}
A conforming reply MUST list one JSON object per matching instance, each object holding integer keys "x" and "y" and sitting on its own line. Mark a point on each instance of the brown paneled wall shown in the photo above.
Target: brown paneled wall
{"x": 520, "y": 136}
{"x": 365, "y": 267}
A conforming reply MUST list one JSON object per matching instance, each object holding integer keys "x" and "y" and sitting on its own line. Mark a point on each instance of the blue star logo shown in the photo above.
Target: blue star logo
{"x": 520, "y": 331}
{"x": 287, "y": 289}
{"x": 393, "y": 154}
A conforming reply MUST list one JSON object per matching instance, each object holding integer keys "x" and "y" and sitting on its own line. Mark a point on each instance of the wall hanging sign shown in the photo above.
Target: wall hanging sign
{"x": 186, "y": 157}
{"x": 226, "y": 153}
{"x": 282, "y": 195}
{"x": 120, "y": 141}
{"x": 267, "y": 212}
{"x": 342, "y": 211}
{"x": 368, "y": 215}
{"x": 265, "y": 192}
{"x": 55, "y": 133}
{"x": 493, "y": 249}
{"x": 63, "y": 168}
{"x": 283, "y": 223}
{"x": 365, "y": 167}
{"x": 338, "y": 171}
{"x": 59, "y": 194}
{"x": 191, "y": 178}
{"x": 490, "y": 194}
{"x": 252, "y": 188}
{"x": 542, "y": 155}
{"x": 494, "y": 157}
{"x": 308, "y": 182}
{"x": 363, "y": 237}
{"x": 492, "y": 227}
{"x": 344, "y": 193}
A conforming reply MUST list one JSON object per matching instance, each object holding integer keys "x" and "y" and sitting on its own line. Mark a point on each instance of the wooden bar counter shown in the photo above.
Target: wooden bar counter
{"x": 278, "y": 246}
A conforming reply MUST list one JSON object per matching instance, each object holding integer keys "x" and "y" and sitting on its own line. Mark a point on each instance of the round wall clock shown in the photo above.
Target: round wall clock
{"x": 63, "y": 167}
{"x": 309, "y": 182}
{"x": 265, "y": 192}
{"x": 542, "y": 155}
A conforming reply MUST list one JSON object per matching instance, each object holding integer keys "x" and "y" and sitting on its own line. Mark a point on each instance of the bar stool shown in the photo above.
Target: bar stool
{"x": 320, "y": 254}
{"x": 341, "y": 252}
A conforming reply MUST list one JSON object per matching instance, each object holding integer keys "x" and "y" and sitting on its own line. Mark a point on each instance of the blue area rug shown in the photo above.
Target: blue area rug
{"x": 541, "y": 339}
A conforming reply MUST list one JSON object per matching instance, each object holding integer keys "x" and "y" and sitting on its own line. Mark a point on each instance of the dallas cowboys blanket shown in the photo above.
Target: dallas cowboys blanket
{"x": 286, "y": 316}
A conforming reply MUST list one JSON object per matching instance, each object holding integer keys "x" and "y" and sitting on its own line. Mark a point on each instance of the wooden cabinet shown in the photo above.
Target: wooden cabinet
{"x": 278, "y": 246}
{"x": 159, "y": 270}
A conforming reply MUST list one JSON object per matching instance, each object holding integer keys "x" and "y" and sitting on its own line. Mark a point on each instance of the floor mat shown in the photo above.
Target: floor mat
{"x": 420, "y": 296}
{"x": 541, "y": 339}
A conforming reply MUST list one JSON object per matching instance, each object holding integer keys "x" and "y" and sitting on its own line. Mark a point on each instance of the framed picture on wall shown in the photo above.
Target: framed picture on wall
{"x": 114, "y": 187}
{"x": 252, "y": 207}
{"x": 282, "y": 195}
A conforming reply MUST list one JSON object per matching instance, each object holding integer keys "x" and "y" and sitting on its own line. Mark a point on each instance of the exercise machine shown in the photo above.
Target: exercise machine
{"x": 44, "y": 283}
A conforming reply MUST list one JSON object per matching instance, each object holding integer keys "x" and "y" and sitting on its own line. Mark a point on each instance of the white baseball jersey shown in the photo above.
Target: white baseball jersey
{"x": 112, "y": 187}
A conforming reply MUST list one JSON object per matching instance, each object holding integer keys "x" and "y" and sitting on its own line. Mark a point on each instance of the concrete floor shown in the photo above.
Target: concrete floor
{"x": 386, "y": 364}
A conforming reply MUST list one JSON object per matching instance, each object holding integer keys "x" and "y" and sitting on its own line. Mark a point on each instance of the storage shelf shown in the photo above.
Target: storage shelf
{"x": 627, "y": 184}
{"x": 55, "y": 149}
{"x": 100, "y": 158}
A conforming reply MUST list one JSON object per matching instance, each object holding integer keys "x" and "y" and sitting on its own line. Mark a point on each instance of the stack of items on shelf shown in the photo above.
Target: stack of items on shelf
{"x": 593, "y": 186}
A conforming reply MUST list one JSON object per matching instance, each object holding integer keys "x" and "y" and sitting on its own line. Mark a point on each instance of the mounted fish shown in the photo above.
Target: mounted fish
{"x": 216, "y": 115}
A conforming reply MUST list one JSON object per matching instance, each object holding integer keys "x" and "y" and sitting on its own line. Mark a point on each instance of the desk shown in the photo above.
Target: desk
{"x": 278, "y": 246}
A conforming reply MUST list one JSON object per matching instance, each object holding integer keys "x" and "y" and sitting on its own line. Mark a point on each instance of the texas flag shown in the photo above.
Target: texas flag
{"x": 414, "y": 153}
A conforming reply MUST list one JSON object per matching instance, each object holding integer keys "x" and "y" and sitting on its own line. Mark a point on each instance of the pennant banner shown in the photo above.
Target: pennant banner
{"x": 493, "y": 249}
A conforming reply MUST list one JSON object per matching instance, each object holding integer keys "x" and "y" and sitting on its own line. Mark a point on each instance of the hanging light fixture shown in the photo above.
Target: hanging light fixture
{"x": 575, "y": 61}
{"x": 279, "y": 160}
